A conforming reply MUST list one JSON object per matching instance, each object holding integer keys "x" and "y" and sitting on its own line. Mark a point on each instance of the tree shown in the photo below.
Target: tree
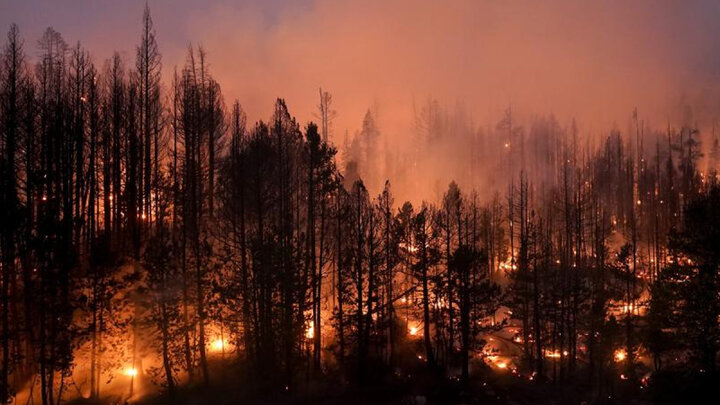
{"x": 695, "y": 245}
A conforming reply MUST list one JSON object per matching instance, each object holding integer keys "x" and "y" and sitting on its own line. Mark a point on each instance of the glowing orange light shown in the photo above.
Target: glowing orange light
{"x": 131, "y": 372}
{"x": 620, "y": 355}
{"x": 502, "y": 365}
{"x": 218, "y": 345}
{"x": 310, "y": 331}
{"x": 413, "y": 330}
{"x": 553, "y": 355}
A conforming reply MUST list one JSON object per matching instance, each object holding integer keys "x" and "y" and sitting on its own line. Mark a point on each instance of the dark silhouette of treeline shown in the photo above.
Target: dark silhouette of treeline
{"x": 142, "y": 221}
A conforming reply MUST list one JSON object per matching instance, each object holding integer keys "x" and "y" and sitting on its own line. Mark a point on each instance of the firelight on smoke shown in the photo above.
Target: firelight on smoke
{"x": 218, "y": 345}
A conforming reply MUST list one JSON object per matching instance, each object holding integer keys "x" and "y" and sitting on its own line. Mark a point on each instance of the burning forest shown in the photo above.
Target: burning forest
{"x": 157, "y": 246}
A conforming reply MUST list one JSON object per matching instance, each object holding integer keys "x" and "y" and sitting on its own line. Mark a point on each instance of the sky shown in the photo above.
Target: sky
{"x": 590, "y": 60}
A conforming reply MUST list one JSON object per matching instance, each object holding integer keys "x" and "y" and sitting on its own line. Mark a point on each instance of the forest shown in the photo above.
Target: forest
{"x": 156, "y": 247}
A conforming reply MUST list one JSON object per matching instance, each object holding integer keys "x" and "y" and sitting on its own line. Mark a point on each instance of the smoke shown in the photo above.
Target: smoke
{"x": 592, "y": 61}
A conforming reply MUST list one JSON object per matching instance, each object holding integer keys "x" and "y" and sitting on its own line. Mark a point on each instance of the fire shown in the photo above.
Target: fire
{"x": 218, "y": 345}
{"x": 310, "y": 330}
{"x": 131, "y": 372}
{"x": 413, "y": 330}
{"x": 553, "y": 355}
{"x": 409, "y": 247}
{"x": 502, "y": 365}
{"x": 620, "y": 355}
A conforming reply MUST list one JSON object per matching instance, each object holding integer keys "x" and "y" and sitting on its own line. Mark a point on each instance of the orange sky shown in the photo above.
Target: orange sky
{"x": 591, "y": 60}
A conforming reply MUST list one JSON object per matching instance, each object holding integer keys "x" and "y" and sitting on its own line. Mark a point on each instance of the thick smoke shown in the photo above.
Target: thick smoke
{"x": 585, "y": 60}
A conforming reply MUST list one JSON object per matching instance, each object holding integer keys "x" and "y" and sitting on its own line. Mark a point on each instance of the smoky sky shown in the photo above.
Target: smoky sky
{"x": 591, "y": 60}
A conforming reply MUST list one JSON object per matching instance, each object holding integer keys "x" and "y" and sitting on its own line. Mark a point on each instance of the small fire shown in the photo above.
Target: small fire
{"x": 502, "y": 365}
{"x": 620, "y": 355}
{"x": 413, "y": 330}
{"x": 310, "y": 330}
{"x": 131, "y": 372}
{"x": 553, "y": 355}
{"x": 409, "y": 247}
{"x": 218, "y": 345}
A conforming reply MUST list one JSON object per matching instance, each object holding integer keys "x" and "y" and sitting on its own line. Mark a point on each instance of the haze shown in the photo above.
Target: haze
{"x": 592, "y": 61}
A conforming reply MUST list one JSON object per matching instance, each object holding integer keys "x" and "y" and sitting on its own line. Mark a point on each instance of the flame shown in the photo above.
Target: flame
{"x": 218, "y": 345}
{"x": 553, "y": 355}
{"x": 409, "y": 247}
{"x": 620, "y": 355}
{"x": 413, "y": 330}
{"x": 310, "y": 330}
{"x": 502, "y": 365}
{"x": 131, "y": 371}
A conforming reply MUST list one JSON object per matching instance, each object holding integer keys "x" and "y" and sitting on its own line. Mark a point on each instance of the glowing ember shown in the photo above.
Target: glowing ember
{"x": 502, "y": 365}
{"x": 409, "y": 247}
{"x": 620, "y": 355}
{"x": 553, "y": 355}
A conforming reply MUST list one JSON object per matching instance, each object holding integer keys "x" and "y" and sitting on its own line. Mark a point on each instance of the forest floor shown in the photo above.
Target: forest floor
{"x": 417, "y": 387}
